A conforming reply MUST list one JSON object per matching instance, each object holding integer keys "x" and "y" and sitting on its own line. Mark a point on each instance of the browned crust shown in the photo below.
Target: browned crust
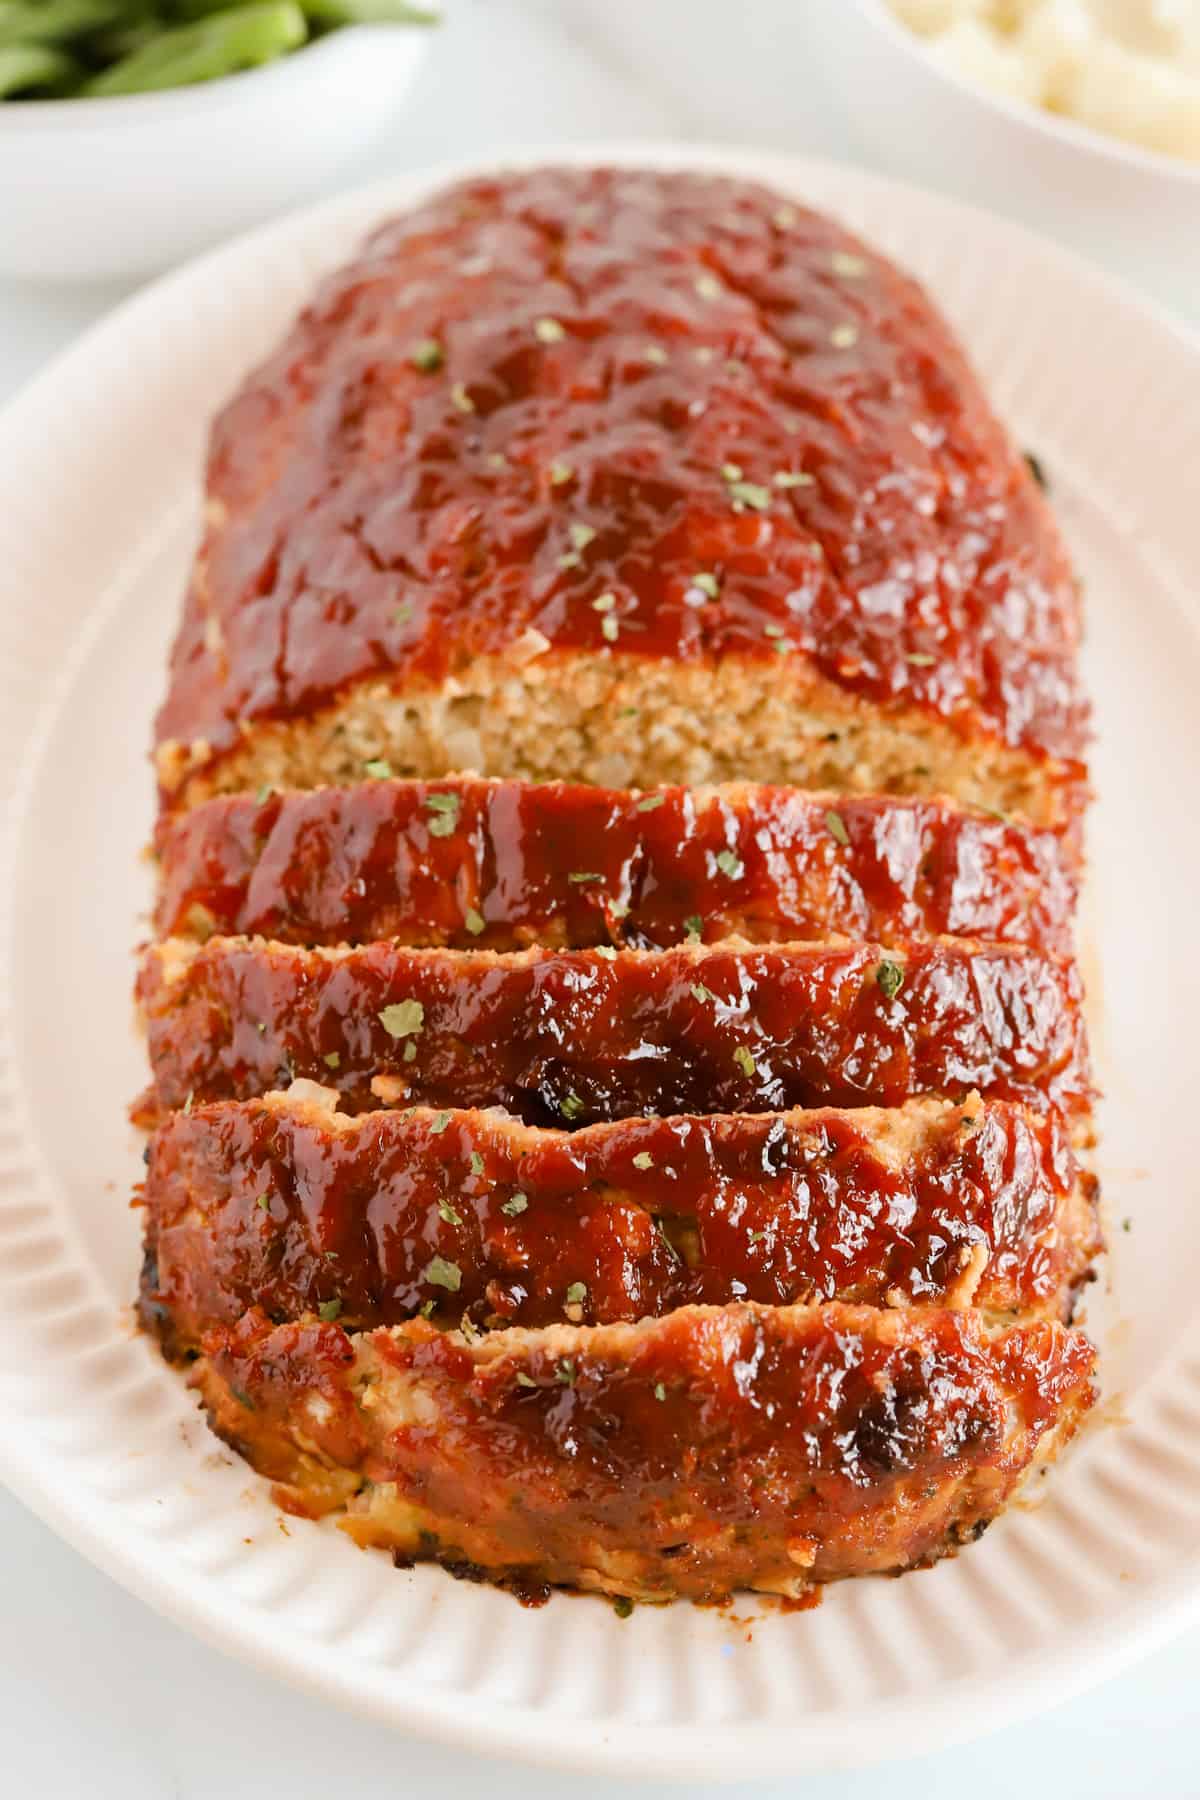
{"x": 716, "y": 1449}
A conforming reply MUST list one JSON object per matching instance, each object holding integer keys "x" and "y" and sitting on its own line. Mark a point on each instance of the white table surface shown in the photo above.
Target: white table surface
{"x": 99, "y": 1696}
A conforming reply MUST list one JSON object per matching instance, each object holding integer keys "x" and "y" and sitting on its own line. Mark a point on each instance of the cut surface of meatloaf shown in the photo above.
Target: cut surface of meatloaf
{"x": 499, "y": 864}
{"x": 575, "y": 1036}
{"x": 285, "y": 1204}
{"x": 624, "y": 477}
{"x": 715, "y": 1449}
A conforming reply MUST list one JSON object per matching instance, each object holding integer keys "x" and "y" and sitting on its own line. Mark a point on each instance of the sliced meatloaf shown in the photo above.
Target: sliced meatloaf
{"x": 715, "y": 1449}
{"x": 577, "y": 1036}
{"x": 286, "y": 1204}
{"x": 498, "y": 864}
{"x": 625, "y": 477}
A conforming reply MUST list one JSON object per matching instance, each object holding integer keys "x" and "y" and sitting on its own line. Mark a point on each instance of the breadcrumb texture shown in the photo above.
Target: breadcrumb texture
{"x": 624, "y": 476}
{"x": 720, "y": 1448}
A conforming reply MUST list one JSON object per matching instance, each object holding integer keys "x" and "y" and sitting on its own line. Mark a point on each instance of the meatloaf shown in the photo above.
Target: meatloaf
{"x": 629, "y": 478}
{"x": 574, "y": 1036}
{"x": 619, "y": 1082}
{"x": 717, "y": 1448}
{"x": 499, "y": 864}
{"x": 287, "y": 1204}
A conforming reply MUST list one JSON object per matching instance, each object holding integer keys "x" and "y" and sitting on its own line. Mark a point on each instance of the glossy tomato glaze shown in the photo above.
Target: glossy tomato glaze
{"x": 495, "y": 864}
{"x": 473, "y": 1216}
{"x": 574, "y": 1036}
{"x": 546, "y": 388}
{"x": 713, "y": 1449}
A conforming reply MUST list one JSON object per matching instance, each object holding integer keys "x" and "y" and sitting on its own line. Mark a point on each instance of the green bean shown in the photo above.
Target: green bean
{"x": 327, "y": 13}
{"x": 56, "y": 21}
{"x": 242, "y": 38}
{"x": 36, "y": 67}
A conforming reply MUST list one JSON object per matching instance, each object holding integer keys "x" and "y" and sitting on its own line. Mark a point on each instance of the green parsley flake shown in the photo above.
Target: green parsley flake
{"x": 410, "y": 1051}
{"x": 560, "y": 472}
{"x": 379, "y": 769}
{"x": 264, "y": 793}
{"x": 702, "y": 994}
{"x": 581, "y": 535}
{"x": 403, "y": 613}
{"x": 402, "y": 1018}
{"x": 889, "y": 975}
{"x": 693, "y": 927}
{"x": 749, "y": 493}
{"x": 187, "y": 1105}
{"x": 445, "y": 808}
{"x": 708, "y": 287}
{"x": 264, "y": 1200}
{"x": 707, "y": 583}
{"x": 447, "y": 1212}
{"x": 577, "y": 1293}
{"x": 461, "y": 398}
{"x": 622, "y": 1605}
{"x": 473, "y": 921}
{"x": 660, "y": 1392}
{"x": 577, "y": 876}
{"x": 427, "y": 356}
{"x": 654, "y": 353}
{"x": 524, "y": 1380}
{"x": 606, "y": 952}
{"x": 604, "y": 603}
{"x": 848, "y": 265}
{"x": 731, "y": 471}
{"x": 643, "y": 1160}
{"x": 476, "y": 1163}
{"x": 439, "y": 1124}
{"x": 333, "y": 1060}
{"x": 610, "y": 629}
{"x": 570, "y": 1106}
{"x": 784, "y": 217}
{"x": 650, "y": 802}
{"x": 565, "y": 1371}
{"x": 428, "y": 1308}
{"x": 836, "y": 827}
{"x": 920, "y": 659}
{"x": 515, "y": 1204}
{"x": 730, "y": 865}
{"x": 440, "y": 1273}
{"x": 744, "y": 1060}
{"x": 844, "y": 337}
{"x": 549, "y": 331}
{"x": 792, "y": 478}
{"x": 773, "y": 631}
{"x": 756, "y": 1237}
{"x": 330, "y": 1310}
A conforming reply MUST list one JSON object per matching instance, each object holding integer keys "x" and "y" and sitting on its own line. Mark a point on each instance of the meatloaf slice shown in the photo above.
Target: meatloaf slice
{"x": 500, "y": 864}
{"x": 575, "y": 1036}
{"x": 715, "y": 1449}
{"x": 625, "y": 476}
{"x": 286, "y": 1204}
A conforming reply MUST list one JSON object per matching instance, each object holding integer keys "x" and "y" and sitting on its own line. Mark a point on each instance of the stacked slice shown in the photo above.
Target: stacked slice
{"x": 665, "y": 1188}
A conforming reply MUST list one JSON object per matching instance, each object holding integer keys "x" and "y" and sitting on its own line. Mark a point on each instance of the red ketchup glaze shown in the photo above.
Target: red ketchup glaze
{"x": 474, "y": 1216}
{"x": 496, "y": 864}
{"x": 705, "y": 379}
{"x": 571, "y": 1036}
{"x": 831, "y": 1440}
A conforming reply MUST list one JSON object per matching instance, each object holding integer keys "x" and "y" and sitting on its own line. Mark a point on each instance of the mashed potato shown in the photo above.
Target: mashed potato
{"x": 1130, "y": 68}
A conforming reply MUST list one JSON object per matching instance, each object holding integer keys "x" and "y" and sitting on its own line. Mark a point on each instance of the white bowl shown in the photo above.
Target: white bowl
{"x": 91, "y": 189}
{"x": 1134, "y": 210}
